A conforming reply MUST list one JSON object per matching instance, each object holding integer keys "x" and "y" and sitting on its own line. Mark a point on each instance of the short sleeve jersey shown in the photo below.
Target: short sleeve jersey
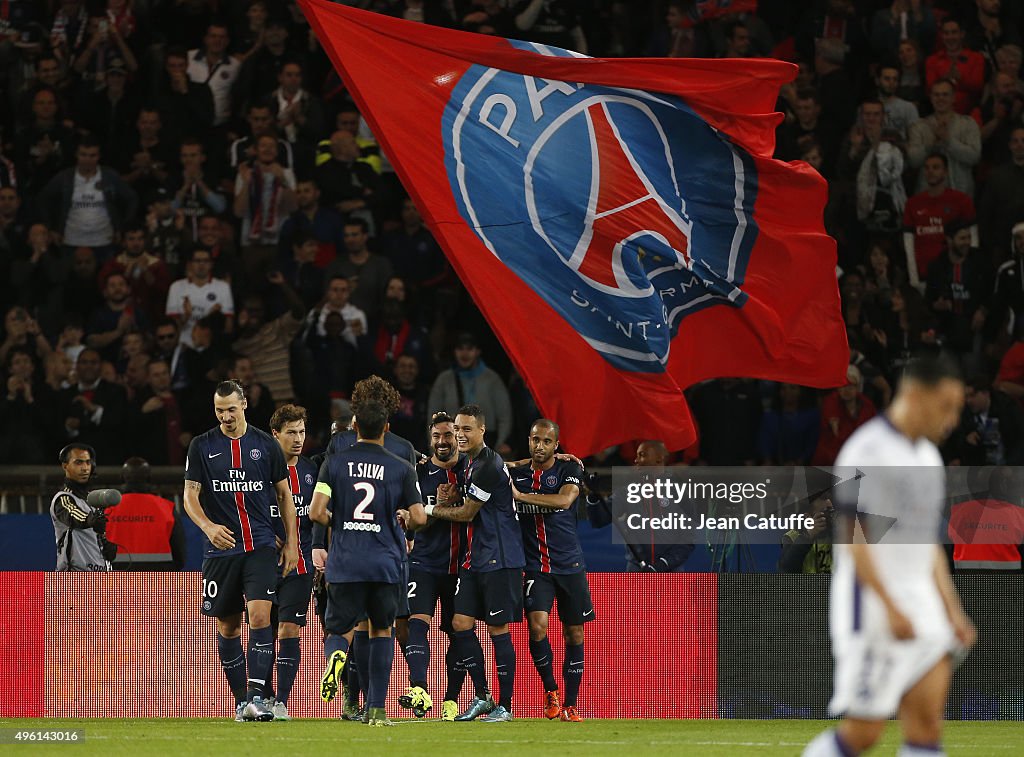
{"x": 237, "y": 477}
{"x": 367, "y": 485}
{"x": 441, "y": 546}
{"x": 493, "y": 539}
{"x": 549, "y": 536}
{"x": 899, "y": 497}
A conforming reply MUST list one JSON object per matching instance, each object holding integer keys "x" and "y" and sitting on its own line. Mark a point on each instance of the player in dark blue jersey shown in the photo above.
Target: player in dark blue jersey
{"x": 400, "y": 447}
{"x": 433, "y": 574}
{"x": 234, "y": 475}
{"x": 393, "y": 443}
{"x": 288, "y": 425}
{"x": 490, "y": 585}
{"x": 369, "y": 497}
{"x": 370, "y": 389}
{"x": 546, "y": 491}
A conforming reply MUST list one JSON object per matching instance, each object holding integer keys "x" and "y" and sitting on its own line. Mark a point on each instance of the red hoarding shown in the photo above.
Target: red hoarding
{"x": 100, "y": 645}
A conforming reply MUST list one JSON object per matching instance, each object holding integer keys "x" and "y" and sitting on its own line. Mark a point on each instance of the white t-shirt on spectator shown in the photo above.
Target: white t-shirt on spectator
{"x": 201, "y": 298}
{"x": 88, "y": 222}
{"x": 349, "y": 313}
{"x": 219, "y": 79}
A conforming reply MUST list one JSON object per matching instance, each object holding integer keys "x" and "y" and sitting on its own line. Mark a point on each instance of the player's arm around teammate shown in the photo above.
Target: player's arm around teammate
{"x": 561, "y": 501}
{"x": 458, "y": 514}
{"x": 489, "y": 586}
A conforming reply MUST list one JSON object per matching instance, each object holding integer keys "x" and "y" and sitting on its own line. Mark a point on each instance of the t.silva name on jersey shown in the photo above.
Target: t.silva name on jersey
{"x": 366, "y": 470}
{"x": 362, "y": 520}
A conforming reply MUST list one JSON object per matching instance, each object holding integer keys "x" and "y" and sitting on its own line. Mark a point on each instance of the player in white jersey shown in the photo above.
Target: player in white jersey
{"x": 895, "y": 617}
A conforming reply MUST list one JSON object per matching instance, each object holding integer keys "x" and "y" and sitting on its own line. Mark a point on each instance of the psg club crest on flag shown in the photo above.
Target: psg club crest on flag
{"x": 620, "y": 223}
{"x": 624, "y": 235}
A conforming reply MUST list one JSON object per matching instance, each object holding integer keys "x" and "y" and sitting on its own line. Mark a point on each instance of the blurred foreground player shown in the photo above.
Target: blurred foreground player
{"x": 896, "y": 619}
{"x": 490, "y": 583}
{"x": 288, "y": 425}
{"x": 369, "y": 497}
{"x": 546, "y": 492}
{"x": 234, "y": 475}
{"x": 434, "y": 574}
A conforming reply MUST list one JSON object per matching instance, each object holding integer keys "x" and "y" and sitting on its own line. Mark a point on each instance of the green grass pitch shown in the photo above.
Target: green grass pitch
{"x": 623, "y": 738}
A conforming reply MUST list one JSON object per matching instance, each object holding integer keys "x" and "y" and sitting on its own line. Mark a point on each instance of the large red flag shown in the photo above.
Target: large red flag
{"x": 620, "y": 222}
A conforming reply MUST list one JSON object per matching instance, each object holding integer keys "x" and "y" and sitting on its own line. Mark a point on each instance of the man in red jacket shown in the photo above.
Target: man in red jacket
{"x": 965, "y": 68}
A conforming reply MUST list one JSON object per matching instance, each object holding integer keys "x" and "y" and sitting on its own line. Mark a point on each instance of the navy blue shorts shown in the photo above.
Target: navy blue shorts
{"x": 293, "y": 595}
{"x": 426, "y": 590}
{"x": 495, "y": 597}
{"x": 349, "y": 603}
{"x": 571, "y": 590}
{"x": 228, "y": 582}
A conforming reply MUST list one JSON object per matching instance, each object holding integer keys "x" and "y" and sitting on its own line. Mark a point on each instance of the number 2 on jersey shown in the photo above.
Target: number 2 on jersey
{"x": 368, "y": 494}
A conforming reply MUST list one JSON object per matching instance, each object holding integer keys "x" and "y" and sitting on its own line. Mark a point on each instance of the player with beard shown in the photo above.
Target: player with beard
{"x": 490, "y": 584}
{"x": 545, "y": 492}
{"x": 234, "y": 475}
{"x": 434, "y": 574}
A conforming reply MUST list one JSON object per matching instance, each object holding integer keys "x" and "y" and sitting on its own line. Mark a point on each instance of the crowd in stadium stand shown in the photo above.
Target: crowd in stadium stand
{"x": 187, "y": 193}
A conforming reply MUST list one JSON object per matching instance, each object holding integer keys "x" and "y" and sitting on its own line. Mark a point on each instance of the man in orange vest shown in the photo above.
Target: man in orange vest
{"x": 987, "y": 532}
{"x": 144, "y": 525}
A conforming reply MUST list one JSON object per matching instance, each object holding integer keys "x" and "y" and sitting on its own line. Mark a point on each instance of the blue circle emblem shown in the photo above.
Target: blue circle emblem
{"x": 623, "y": 209}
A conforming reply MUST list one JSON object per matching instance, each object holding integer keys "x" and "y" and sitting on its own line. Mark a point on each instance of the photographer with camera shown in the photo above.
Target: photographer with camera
{"x": 79, "y": 517}
{"x": 991, "y": 430}
{"x": 810, "y": 550}
{"x": 640, "y": 558}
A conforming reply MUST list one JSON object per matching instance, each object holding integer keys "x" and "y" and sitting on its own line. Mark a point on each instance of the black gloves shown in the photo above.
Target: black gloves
{"x": 97, "y": 520}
